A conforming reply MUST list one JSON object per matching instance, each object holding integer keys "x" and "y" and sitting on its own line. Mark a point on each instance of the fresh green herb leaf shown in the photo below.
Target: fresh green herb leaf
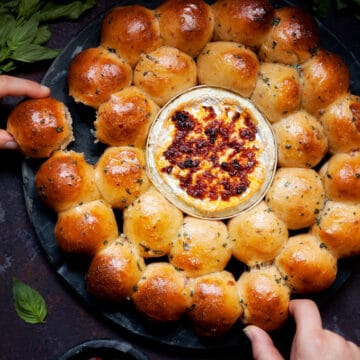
{"x": 33, "y": 52}
{"x": 28, "y": 7}
{"x": 29, "y": 304}
{"x": 8, "y": 24}
{"x": 21, "y": 32}
{"x": 8, "y": 66}
{"x": 43, "y": 35}
{"x": 24, "y": 34}
{"x": 73, "y": 10}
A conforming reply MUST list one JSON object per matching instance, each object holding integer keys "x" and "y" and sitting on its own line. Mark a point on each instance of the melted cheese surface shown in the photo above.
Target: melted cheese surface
{"x": 211, "y": 153}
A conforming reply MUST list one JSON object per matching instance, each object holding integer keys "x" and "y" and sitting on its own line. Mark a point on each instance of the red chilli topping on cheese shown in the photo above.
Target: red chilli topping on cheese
{"x": 212, "y": 155}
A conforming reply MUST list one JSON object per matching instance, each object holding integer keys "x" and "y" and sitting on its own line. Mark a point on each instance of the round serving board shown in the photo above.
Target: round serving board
{"x": 73, "y": 270}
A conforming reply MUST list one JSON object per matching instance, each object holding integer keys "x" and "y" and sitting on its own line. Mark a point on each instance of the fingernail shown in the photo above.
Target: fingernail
{"x": 11, "y": 145}
{"x": 248, "y": 332}
{"x": 45, "y": 88}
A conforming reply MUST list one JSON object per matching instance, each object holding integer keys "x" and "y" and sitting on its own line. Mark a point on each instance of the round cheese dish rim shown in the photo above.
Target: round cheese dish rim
{"x": 266, "y": 135}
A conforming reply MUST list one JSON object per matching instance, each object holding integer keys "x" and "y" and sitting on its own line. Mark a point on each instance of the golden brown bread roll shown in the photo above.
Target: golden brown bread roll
{"x": 301, "y": 140}
{"x": 84, "y": 229}
{"x": 66, "y": 180}
{"x": 120, "y": 175}
{"x": 200, "y": 247}
{"x": 264, "y": 297}
{"x": 341, "y": 122}
{"x": 338, "y": 228}
{"x": 115, "y": 270}
{"x": 306, "y": 264}
{"x": 215, "y": 303}
{"x": 341, "y": 177}
{"x": 293, "y": 37}
{"x": 258, "y": 235}
{"x": 296, "y": 196}
{"x": 325, "y": 77}
{"x": 152, "y": 223}
{"x": 186, "y": 25}
{"x": 164, "y": 73}
{"x": 277, "y": 92}
{"x": 125, "y": 118}
{"x": 95, "y": 73}
{"x": 130, "y": 31}
{"x": 40, "y": 126}
{"x": 243, "y": 21}
{"x": 162, "y": 294}
{"x": 229, "y": 65}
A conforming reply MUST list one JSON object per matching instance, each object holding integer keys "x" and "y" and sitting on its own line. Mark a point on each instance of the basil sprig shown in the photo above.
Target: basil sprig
{"x": 23, "y": 32}
{"x": 29, "y": 304}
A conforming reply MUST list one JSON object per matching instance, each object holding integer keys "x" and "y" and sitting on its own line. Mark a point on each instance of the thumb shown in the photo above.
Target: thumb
{"x": 7, "y": 141}
{"x": 262, "y": 346}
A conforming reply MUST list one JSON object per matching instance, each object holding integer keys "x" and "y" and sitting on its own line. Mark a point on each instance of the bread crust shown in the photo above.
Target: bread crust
{"x": 130, "y": 31}
{"x": 96, "y": 73}
{"x": 186, "y": 25}
{"x": 40, "y": 126}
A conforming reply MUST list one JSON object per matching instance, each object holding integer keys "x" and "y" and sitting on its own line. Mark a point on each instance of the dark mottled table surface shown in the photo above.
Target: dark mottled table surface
{"x": 69, "y": 322}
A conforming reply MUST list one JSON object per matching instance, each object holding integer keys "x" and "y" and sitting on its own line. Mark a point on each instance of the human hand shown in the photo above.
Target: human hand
{"x": 13, "y": 86}
{"x": 311, "y": 341}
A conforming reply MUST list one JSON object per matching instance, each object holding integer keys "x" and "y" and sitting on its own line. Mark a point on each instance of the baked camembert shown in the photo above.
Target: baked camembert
{"x": 211, "y": 152}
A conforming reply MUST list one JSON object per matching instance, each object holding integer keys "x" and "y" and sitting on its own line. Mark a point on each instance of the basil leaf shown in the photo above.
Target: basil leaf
{"x": 28, "y": 7}
{"x": 73, "y": 10}
{"x": 6, "y": 67}
{"x": 11, "y": 5}
{"x": 29, "y": 304}
{"x": 24, "y": 34}
{"x": 43, "y": 35}
{"x": 7, "y": 25}
{"x": 33, "y": 52}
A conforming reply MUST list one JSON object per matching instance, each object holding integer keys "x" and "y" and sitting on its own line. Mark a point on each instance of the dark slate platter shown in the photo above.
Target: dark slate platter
{"x": 72, "y": 270}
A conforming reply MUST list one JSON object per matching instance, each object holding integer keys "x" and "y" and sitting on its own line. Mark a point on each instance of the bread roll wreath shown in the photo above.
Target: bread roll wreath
{"x": 172, "y": 264}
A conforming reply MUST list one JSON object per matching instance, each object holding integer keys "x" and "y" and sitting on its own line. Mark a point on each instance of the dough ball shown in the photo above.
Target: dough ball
{"x": 296, "y": 196}
{"x": 40, "y": 126}
{"x": 301, "y": 140}
{"x": 215, "y": 303}
{"x": 84, "y": 229}
{"x": 114, "y": 271}
{"x": 152, "y": 223}
{"x": 338, "y": 228}
{"x": 306, "y": 264}
{"x": 258, "y": 235}
{"x": 293, "y": 37}
{"x": 66, "y": 180}
{"x": 162, "y": 294}
{"x": 341, "y": 122}
{"x": 186, "y": 25}
{"x": 125, "y": 118}
{"x": 164, "y": 73}
{"x": 130, "y": 31}
{"x": 121, "y": 176}
{"x": 325, "y": 77}
{"x": 264, "y": 297}
{"x": 341, "y": 177}
{"x": 277, "y": 92}
{"x": 229, "y": 65}
{"x": 243, "y": 21}
{"x": 95, "y": 73}
{"x": 200, "y": 247}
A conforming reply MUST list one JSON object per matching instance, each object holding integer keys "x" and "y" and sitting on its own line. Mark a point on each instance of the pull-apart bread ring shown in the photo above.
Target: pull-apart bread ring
{"x": 269, "y": 126}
